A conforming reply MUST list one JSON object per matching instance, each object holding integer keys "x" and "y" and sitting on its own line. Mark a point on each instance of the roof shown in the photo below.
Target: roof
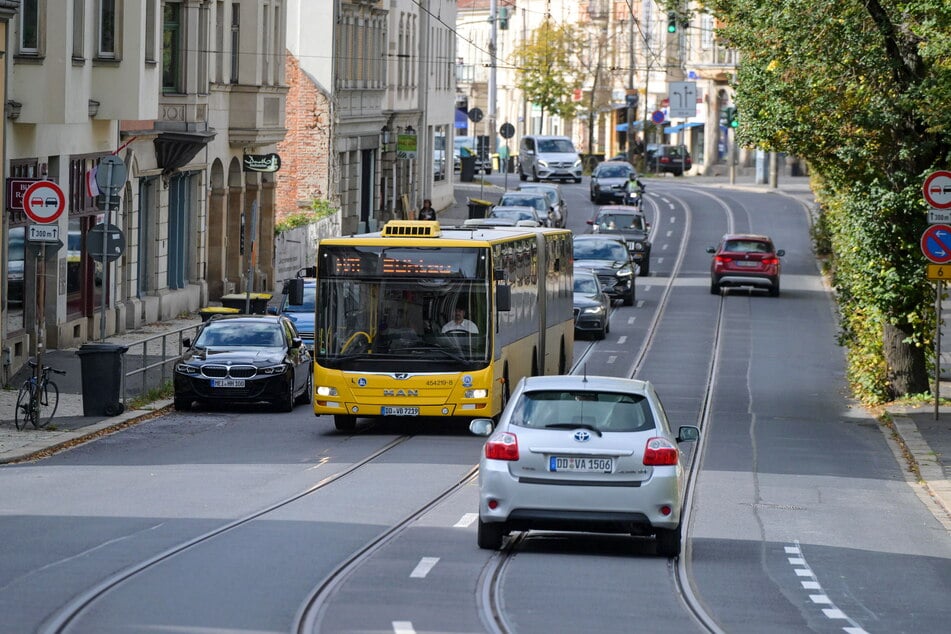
{"x": 580, "y": 381}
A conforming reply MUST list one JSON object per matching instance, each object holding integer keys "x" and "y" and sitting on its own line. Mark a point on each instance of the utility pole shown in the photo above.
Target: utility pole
{"x": 631, "y": 111}
{"x": 493, "y": 38}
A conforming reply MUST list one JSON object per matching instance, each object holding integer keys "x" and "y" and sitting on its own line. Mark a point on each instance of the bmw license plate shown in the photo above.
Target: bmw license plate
{"x": 400, "y": 411}
{"x": 745, "y": 263}
{"x": 227, "y": 383}
{"x": 580, "y": 464}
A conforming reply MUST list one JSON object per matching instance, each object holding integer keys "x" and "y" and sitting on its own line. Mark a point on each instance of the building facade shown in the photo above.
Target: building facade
{"x": 181, "y": 92}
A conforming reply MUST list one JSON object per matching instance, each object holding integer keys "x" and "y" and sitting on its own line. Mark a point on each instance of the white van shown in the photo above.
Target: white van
{"x": 548, "y": 158}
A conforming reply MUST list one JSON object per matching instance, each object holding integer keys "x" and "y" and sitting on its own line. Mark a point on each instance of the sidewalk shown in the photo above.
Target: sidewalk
{"x": 925, "y": 440}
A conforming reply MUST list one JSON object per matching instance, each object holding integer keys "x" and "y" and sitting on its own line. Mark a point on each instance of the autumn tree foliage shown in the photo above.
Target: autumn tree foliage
{"x": 861, "y": 90}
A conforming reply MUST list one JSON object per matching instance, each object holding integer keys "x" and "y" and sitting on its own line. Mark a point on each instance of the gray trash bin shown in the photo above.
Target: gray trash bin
{"x": 101, "y": 366}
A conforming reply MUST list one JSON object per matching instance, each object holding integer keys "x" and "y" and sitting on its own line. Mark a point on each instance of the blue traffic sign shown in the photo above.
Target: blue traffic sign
{"x": 936, "y": 243}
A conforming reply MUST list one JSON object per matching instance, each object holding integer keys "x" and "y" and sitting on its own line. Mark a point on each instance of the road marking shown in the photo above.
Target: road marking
{"x": 802, "y": 569}
{"x": 423, "y": 567}
{"x": 664, "y": 248}
{"x": 403, "y": 627}
{"x": 621, "y": 339}
{"x": 466, "y": 520}
{"x": 630, "y": 320}
{"x": 612, "y": 359}
{"x": 670, "y": 233}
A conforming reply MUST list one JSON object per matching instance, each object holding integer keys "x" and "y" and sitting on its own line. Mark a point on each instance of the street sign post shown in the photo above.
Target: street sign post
{"x": 111, "y": 174}
{"x": 44, "y": 202}
{"x": 937, "y": 189}
{"x": 936, "y": 243}
{"x": 683, "y": 99}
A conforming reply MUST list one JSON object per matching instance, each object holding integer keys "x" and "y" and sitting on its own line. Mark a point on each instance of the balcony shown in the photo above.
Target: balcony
{"x": 256, "y": 115}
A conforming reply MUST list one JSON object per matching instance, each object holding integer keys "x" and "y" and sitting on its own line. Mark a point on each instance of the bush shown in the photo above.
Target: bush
{"x": 318, "y": 209}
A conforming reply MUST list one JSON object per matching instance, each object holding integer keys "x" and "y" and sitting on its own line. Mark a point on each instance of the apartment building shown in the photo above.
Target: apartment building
{"x": 189, "y": 95}
{"x": 368, "y": 119}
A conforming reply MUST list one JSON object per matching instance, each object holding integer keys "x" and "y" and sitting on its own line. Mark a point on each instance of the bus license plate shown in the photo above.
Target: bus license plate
{"x": 227, "y": 383}
{"x": 400, "y": 411}
{"x": 580, "y": 464}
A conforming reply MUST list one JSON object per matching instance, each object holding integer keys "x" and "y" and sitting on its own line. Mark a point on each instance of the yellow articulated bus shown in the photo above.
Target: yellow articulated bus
{"x": 422, "y": 320}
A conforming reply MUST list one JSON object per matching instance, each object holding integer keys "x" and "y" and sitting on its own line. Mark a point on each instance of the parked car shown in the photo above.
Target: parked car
{"x": 244, "y": 358}
{"x": 745, "y": 259}
{"x": 470, "y": 146}
{"x": 592, "y": 305}
{"x": 555, "y": 199}
{"x": 609, "y": 181}
{"x": 668, "y": 158}
{"x": 582, "y": 453}
{"x": 537, "y": 200}
{"x": 630, "y": 224}
{"x": 517, "y": 215}
{"x": 610, "y": 259}
{"x": 300, "y": 305}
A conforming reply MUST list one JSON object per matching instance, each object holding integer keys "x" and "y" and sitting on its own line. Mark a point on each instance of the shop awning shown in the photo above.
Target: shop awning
{"x": 679, "y": 127}
{"x": 462, "y": 119}
{"x": 622, "y": 127}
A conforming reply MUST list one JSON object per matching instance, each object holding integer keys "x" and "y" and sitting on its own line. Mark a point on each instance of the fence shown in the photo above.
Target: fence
{"x": 152, "y": 361}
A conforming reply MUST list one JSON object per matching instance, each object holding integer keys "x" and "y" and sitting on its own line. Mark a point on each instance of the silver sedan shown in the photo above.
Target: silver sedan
{"x": 582, "y": 453}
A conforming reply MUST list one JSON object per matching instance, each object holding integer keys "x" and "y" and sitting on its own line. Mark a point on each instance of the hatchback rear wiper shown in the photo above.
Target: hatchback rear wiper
{"x": 574, "y": 426}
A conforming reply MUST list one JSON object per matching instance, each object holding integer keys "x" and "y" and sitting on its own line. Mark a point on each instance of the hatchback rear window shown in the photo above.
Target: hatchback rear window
{"x": 604, "y": 411}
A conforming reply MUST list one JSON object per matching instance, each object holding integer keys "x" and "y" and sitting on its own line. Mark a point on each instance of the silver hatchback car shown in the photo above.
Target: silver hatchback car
{"x": 582, "y": 453}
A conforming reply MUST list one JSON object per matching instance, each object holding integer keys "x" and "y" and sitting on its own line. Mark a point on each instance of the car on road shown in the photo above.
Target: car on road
{"x": 674, "y": 159}
{"x": 244, "y": 359}
{"x": 630, "y": 224}
{"x": 555, "y": 199}
{"x": 517, "y": 215}
{"x": 300, "y": 310}
{"x": 537, "y": 200}
{"x": 610, "y": 259}
{"x": 582, "y": 453}
{"x": 745, "y": 260}
{"x": 592, "y": 305}
{"x": 609, "y": 181}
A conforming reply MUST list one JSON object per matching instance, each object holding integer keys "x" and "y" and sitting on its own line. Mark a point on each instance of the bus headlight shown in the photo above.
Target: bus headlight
{"x": 323, "y": 390}
{"x": 476, "y": 393}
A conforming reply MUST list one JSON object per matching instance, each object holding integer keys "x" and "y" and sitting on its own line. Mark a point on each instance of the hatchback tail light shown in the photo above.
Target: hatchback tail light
{"x": 660, "y": 452}
{"x": 502, "y": 446}
{"x": 770, "y": 261}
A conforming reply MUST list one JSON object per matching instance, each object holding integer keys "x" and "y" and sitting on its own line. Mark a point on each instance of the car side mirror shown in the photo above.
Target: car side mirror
{"x": 687, "y": 433}
{"x": 294, "y": 289}
{"x": 711, "y": 250}
{"x": 481, "y": 426}
{"x": 781, "y": 252}
{"x": 297, "y": 342}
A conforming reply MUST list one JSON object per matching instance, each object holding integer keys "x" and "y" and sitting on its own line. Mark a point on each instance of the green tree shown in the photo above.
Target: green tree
{"x": 546, "y": 68}
{"x": 859, "y": 88}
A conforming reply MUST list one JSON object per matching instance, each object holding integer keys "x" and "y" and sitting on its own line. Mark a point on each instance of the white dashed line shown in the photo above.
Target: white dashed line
{"x": 621, "y": 339}
{"x": 802, "y": 569}
{"x": 423, "y": 567}
{"x": 630, "y": 320}
{"x": 403, "y": 627}
{"x": 612, "y": 358}
{"x": 466, "y": 520}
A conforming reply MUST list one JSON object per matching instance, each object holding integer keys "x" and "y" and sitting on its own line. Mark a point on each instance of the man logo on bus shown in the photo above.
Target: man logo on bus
{"x": 467, "y": 381}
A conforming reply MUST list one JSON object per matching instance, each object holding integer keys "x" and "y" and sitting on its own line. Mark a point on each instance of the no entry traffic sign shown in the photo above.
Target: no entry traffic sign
{"x": 936, "y": 243}
{"x": 937, "y": 189}
{"x": 43, "y": 202}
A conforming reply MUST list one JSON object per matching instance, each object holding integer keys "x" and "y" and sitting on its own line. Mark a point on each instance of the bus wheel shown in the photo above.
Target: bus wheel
{"x": 345, "y": 423}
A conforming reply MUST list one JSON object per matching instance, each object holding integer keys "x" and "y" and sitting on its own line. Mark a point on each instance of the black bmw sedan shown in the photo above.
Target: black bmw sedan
{"x": 247, "y": 359}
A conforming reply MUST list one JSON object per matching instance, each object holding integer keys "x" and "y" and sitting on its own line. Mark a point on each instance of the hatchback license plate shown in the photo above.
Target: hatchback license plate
{"x": 745, "y": 263}
{"x": 580, "y": 465}
{"x": 227, "y": 383}
{"x": 400, "y": 411}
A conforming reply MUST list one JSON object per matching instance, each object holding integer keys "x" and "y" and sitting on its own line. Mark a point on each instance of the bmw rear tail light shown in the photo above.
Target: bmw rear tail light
{"x": 660, "y": 452}
{"x": 722, "y": 259}
{"x": 502, "y": 446}
{"x": 770, "y": 261}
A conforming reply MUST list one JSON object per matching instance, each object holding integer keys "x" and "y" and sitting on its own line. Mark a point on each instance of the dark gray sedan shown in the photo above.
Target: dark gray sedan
{"x": 592, "y": 305}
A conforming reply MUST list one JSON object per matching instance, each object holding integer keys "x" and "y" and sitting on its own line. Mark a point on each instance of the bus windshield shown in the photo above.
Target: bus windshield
{"x": 403, "y": 309}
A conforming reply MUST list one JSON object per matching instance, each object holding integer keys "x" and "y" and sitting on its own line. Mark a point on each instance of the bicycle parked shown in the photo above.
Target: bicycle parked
{"x": 37, "y": 404}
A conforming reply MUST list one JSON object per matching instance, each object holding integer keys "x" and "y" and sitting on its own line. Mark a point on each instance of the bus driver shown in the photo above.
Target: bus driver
{"x": 459, "y": 323}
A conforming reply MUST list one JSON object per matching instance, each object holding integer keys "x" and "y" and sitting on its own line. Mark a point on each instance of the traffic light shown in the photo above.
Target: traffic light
{"x": 504, "y": 18}
{"x": 731, "y": 118}
{"x": 671, "y": 21}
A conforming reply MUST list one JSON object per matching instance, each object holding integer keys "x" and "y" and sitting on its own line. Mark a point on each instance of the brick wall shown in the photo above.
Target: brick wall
{"x": 305, "y": 151}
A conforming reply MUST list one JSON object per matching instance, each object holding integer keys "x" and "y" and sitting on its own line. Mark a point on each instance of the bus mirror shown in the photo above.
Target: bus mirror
{"x": 503, "y": 298}
{"x": 499, "y": 275}
{"x": 294, "y": 289}
{"x": 307, "y": 271}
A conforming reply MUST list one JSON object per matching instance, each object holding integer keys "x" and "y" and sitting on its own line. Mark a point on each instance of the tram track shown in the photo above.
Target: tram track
{"x": 70, "y": 614}
{"x": 493, "y": 575}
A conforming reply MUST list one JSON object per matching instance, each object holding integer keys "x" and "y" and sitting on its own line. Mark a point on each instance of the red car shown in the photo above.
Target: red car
{"x": 745, "y": 260}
